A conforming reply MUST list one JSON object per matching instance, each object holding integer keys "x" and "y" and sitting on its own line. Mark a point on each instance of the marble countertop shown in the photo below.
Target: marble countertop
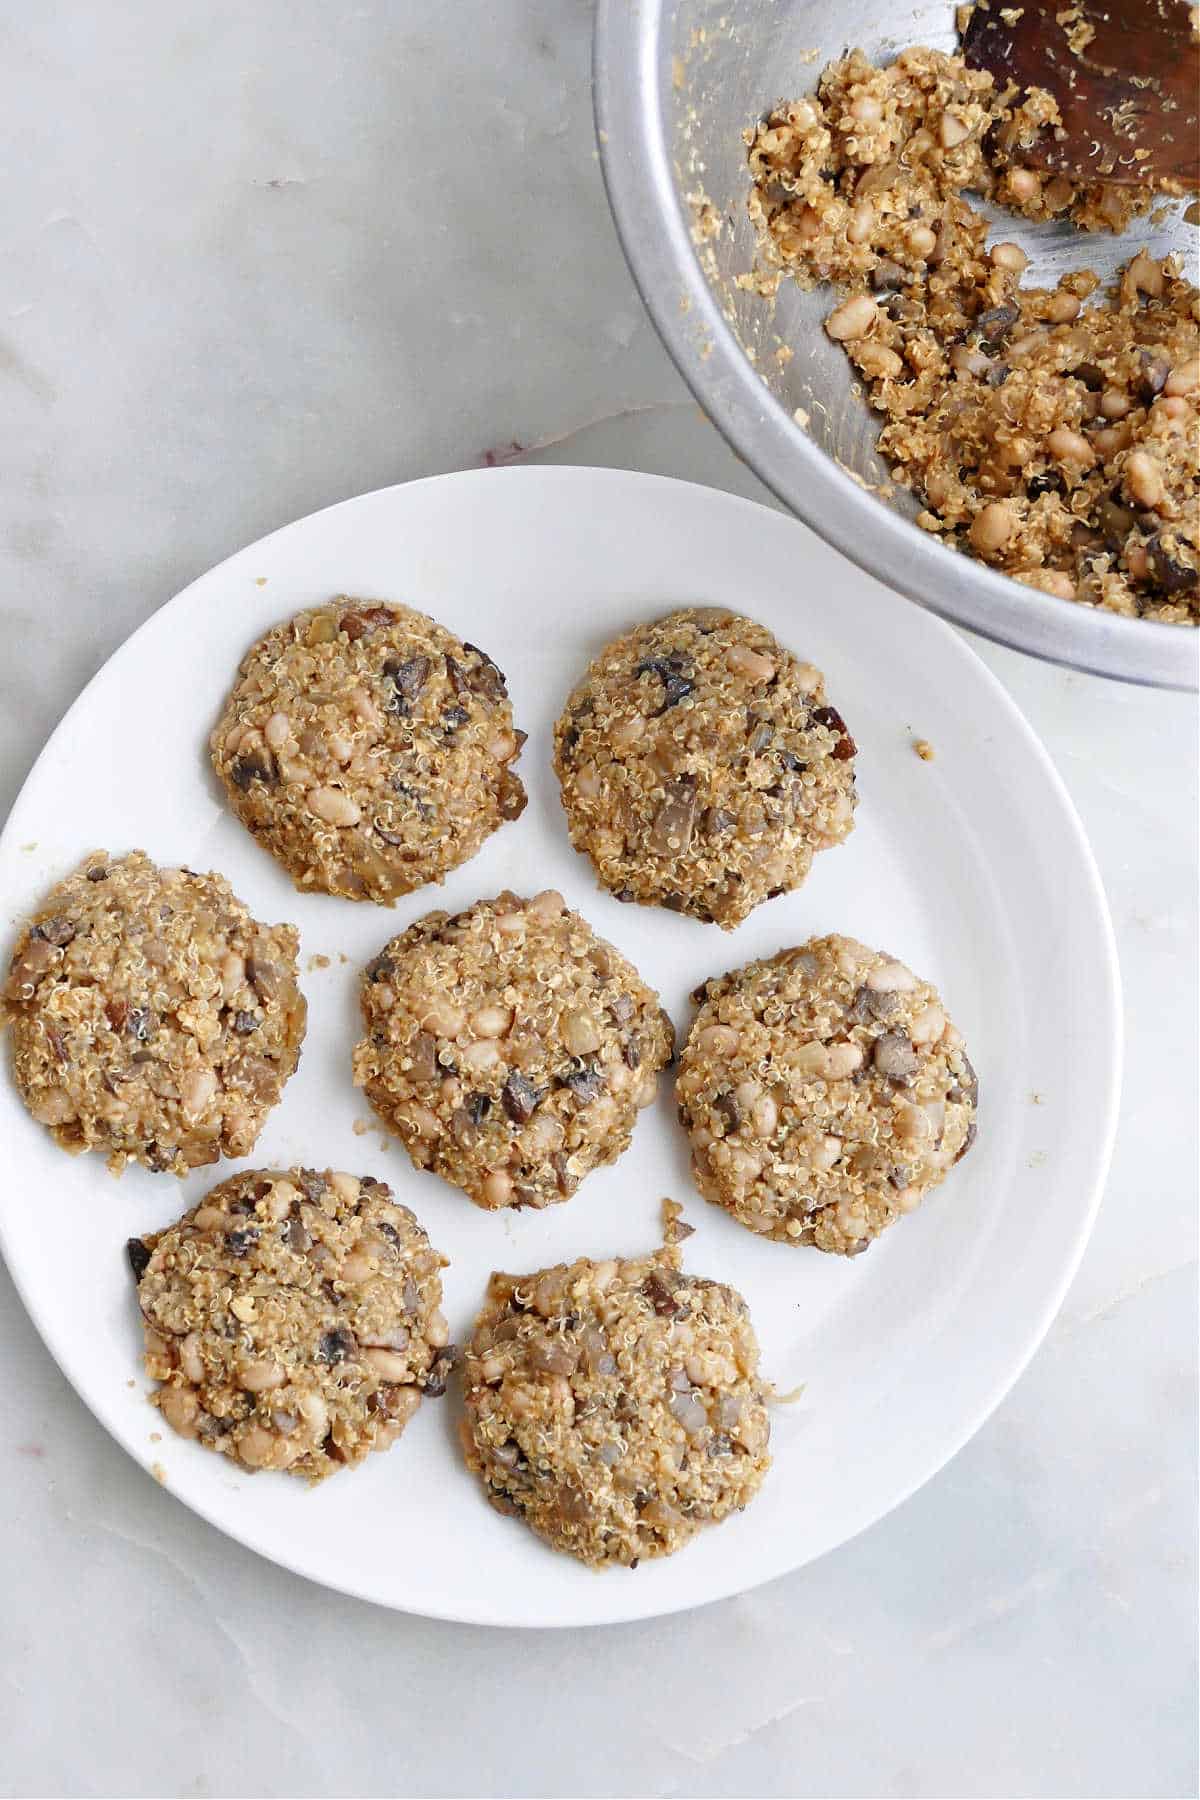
{"x": 254, "y": 259}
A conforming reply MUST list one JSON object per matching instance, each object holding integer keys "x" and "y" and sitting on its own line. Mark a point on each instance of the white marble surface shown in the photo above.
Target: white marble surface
{"x": 253, "y": 259}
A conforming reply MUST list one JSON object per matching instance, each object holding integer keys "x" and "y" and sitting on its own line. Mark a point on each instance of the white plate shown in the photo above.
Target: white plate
{"x": 973, "y": 868}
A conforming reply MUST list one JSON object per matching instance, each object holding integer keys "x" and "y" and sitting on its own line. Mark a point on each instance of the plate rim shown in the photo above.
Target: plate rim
{"x": 1111, "y": 1018}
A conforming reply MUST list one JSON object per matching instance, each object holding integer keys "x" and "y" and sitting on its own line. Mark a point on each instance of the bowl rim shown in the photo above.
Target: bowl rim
{"x": 654, "y": 234}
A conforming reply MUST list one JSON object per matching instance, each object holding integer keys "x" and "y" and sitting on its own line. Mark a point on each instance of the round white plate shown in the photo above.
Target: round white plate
{"x": 973, "y": 868}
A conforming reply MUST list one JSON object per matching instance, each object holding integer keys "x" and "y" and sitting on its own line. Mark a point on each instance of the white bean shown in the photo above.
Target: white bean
{"x": 861, "y": 221}
{"x": 928, "y": 1025}
{"x": 843, "y": 1059}
{"x": 497, "y": 1188}
{"x": 648, "y": 1091}
{"x": 1143, "y": 479}
{"x": 491, "y": 1021}
{"x": 332, "y": 805}
{"x": 1184, "y": 377}
{"x": 1024, "y": 184}
{"x": 256, "y": 1447}
{"x": 1062, "y": 307}
{"x": 891, "y": 978}
{"x": 179, "y": 1407}
{"x": 1070, "y": 446}
{"x": 992, "y": 526}
{"x": 547, "y": 905}
{"x": 279, "y": 1202}
{"x": 190, "y": 1360}
{"x": 260, "y": 1377}
{"x": 364, "y": 707}
{"x": 315, "y": 1413}
{"x": 765, "y": 1117}
{"x": 910, "y": 1123}
{"x": 851, "y": 1219}
{"x": 1009, "y": 257}
{"x": 752, "y": 663}
{"x": 386, "y": 1364}
{"x": 544, "y": 1132}
{"x": 196, "y": 1089}
{"x": 425, "y": 1123}
{"x": 827, "y": 1152}
{"x": 1109, "y": 439}
{"x": 852, "y": 319}
{"x": 743, "y": 1167}
{"x": 443, "y": 1018}
{"x": 878, "y": 362}
{"x": 233, "y": 973}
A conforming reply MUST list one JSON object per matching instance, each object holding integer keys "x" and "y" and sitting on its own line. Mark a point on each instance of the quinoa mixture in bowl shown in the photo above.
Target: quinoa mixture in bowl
{"x": 1050, "y": 432}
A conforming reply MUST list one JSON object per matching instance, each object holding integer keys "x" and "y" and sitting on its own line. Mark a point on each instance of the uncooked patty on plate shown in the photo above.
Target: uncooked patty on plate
{"x": 615, "y": 1406}
{"x": 702, "y": 767}
{"x": 368, "y": 749}
{"x": 509, "y": 1047}
{"x": 293, "y": 1319}
{"x": 152, "y": 1018}
{"x": 825, "y": 1092}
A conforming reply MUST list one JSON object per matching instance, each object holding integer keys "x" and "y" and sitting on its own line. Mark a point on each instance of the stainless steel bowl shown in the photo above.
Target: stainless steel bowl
{"x": 676, "y": 84}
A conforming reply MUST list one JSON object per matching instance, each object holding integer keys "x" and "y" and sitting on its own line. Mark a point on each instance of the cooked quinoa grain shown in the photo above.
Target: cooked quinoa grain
{"x": 152, "y": 1018}
{"x": 615, "y": 1406}
{"x": 825, "y": 1092}
{"x": 1051, "y": 438}
{"x": 293, "y": 1319}
{"x": 368, "y": 749}
{"x": 702, "y": 766}
{"x": 509, "y": 1047}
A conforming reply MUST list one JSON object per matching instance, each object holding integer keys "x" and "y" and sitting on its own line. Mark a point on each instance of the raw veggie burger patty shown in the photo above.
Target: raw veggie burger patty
{"x": 702, "y": 766}
{"x": 152, "y": 1018}
{"x": 368, "y": 749}
{"x": 615, "y": 1406}
{"x": 825, "y": 1092}
{"x": 509, "y": 1047}
{"x": 293, "y": 1319}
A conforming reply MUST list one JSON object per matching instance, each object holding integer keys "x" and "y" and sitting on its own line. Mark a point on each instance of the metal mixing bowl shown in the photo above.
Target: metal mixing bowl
{"x": 676, "y": 84}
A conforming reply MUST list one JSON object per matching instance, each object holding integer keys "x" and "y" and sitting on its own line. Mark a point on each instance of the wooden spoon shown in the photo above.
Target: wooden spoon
{"x": 1125, "y": 74}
